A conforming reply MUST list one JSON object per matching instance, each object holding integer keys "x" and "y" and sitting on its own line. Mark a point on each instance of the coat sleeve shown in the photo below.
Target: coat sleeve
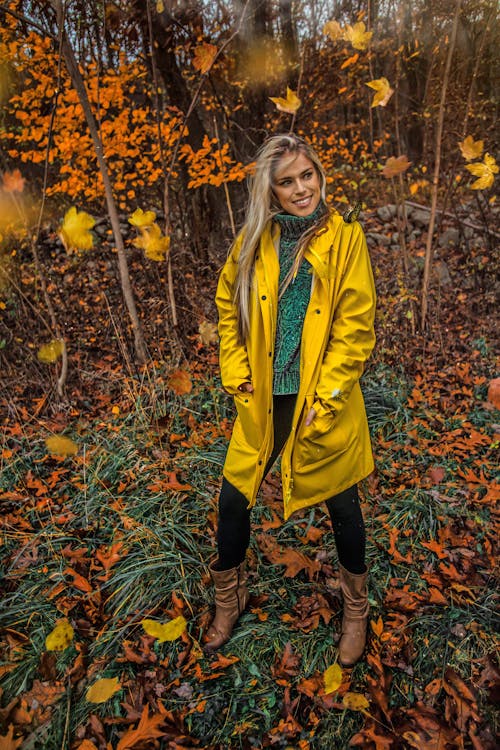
{"x": 352, "y": 335}
{"x": 233, "y": 358}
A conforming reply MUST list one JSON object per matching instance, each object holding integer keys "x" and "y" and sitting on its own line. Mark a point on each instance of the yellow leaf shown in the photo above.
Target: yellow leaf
{"x": 160, "y": 7}
{"x": 208, "y": 333}
{"x": 75, "y": 231}
{"x": 142, "y": 218}
{"x": 485, "y": 170}
{"x": 50, "y": 352}
{"x": 155, "y": 244}
{"x": 415, "y": 186}
{"x": 167, "y": 631}
{"x": 61, "y": 637}
{"x": 470, "y": 148}
{"x": 334, "y": 30}
{"x": 290, "y": 104}
{"x": 383, "y": 89}
{"x": 103, "y": 689}
{"x": 61, "y": 446}
{"x": 395, "y": 165}
{"x": 355, "y": 701}
{"x": 332, "y": 678}
{"x": 357, "y": 35}
{"x": 204, "y": 56}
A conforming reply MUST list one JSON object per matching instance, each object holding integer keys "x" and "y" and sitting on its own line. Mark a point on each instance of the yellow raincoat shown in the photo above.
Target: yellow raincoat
{"x": 334, "y": 451}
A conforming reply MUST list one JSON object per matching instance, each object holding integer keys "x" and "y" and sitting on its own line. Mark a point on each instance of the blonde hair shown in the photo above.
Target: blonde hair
{"x": 262, "y": 207}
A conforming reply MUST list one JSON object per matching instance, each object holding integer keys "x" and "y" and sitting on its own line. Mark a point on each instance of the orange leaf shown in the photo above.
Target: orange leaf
{"x": 147, "y": 729}
{"x": 377, "y": 626}
{"x": 435, "y": 547}
{"x": 7, "y": 741}
{"x": 395, "y": 166}
{"x": 13, "y": 182}
{"x": 204, "y": 56}
{"x": 350, "y": 61}
{"x": 494, "y": 393}
{"x": 180, "y": 382}
{"x": 79, "y": 582}
{"x": 436, "y": 597}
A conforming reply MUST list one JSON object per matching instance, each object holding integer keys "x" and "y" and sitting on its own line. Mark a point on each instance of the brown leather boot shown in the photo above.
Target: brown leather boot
{"x": 354, "y": 621}
{"x": 231, "y": 599}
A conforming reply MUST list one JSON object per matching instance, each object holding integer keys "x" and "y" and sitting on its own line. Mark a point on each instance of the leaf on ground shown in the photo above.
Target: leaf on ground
{"x": 294, "y": 560}
{"x": 332, "y": 678}
{"x": 168, "y": 631}
{"x": 180, "y": 382}
{"x": 59, "y": 445}
{"x": 86, "y": 745}
{"x": 377, "y": 626}
{"x": 7, "y": 741}
{"x": 147, "y": 729}
{"x": 102, "y": 690}
{"x": 49, "y": 353}
{"x": 61, "y": 636}
{"x": 355, "y": 702}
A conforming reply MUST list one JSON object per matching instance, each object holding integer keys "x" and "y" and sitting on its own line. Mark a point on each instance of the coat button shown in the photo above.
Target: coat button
{"x": 263, "y": 296}
{"x": 317, "y": 312}
{"x": 260, "y": 463}
{"x": 270, "y": 354}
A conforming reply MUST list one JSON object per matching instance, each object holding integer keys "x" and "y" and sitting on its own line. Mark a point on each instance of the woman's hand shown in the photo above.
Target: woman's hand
{"x": 310, "y": 416}
{"x": 246, "y": 388}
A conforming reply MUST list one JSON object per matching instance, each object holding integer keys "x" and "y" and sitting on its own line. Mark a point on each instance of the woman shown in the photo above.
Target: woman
{"x": 296, "y": 306}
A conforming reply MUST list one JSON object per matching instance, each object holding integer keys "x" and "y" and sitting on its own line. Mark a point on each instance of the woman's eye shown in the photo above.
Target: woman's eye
{"x": 308, "y": 175}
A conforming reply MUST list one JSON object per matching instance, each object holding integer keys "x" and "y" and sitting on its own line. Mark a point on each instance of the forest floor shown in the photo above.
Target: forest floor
{"x": 96, "y": 542}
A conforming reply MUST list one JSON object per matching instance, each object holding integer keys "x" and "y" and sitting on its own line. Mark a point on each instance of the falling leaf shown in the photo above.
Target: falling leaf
{"x": 332, "y": 678}
{"x": 204, "y": 56}
{"x": 75, "y": 231}
{"x": 350, "y": 61}
{"x": 358, "y": 36}
{"x": 334, "y": 30}
{"x": 160, "y": 7}
{"x": 102, "y": 690}
{"x": 470, "y": 148}
{"x": 61, "y": 637}
{"x": 180, "y": 382}
{"x": 147, "y": 729}
{"x": 153, "y": 242}
{"x": 60, "y": 445}
{"x": 395, "y": 165}
{"x": 485, "y": 170}
{"x": 167, "y": 631}
{"x": 13, "y": 182}
{"x": 142, "y": 218}
{"x": 208, "y": 333}
{"x": 49, "y": 353}
{"x": 355, "y": 701}
{"x": 7, "y": 741}
{"x": 290, "y": 104}
{"x": 383, "y": 91}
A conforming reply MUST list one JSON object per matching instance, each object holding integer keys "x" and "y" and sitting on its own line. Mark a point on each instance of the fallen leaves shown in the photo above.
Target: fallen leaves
{"x": 50, "y": 352}
{"x": 60, "y": 445}
{"x": 332, "y": 677}
{"x": 60, "y": 637}
{"x": 180, "y": 382}
{"x": 168, "y": 631}
{"x": 102, "y": 690}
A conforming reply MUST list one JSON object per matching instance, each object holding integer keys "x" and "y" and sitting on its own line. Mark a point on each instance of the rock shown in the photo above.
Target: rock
{"x": 374, "y": 238}
{"x": 449, "y": 237}
{"x": 419, "y": 217}
{"x": 441, "y": 273}
{"x": 387, "y": 213}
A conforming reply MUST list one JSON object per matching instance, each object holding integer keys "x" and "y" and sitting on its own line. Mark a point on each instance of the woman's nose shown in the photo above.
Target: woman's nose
{"x": 299, "y": 187}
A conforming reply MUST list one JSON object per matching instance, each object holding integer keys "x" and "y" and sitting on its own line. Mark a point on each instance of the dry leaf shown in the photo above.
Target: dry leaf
{"x": 168, "y": 631}
{"x": 142, "y": 218}
{"x": 494, "y": 393}
{"x": 61, "y": 446}
{"x": 334, "y": 30}
{"x": 485, "y": 170}
{"x": 86, "y": 745}
{"x": 49, "y": 353}
{"x": 355, "y": 701}
{"x": 395, "y": 165}
{"x": 290, "y": 105}
{"x": 60, "y": 638}
{"x": 208, "y": 333}
{"x": 13, "y": 182}
{"x": 470, "y": 148}
{"x": 7, "y": 741}
{"x": 358, "y": 36}
{"x": 147, "y": 729}
{"x": 204, "y": 56}
{"x": 180, "y": 382}
{"x": 383, "y": 91}
{"x": 102, "y": 690}
{"x": 155, "y": 244}
{"x": 75, "y": 231}
{"x": 332, "y": 678}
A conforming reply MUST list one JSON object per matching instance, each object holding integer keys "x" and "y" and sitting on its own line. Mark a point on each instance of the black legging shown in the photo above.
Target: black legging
{"x": 233, "y": 536}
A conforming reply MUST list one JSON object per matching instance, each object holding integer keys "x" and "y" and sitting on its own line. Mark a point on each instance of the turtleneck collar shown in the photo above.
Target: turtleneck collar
{"x": 292, "y": 227}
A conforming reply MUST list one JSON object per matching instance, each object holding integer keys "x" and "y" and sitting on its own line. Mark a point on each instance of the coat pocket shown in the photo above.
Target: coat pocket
{"x": 246, "y": 410}
{"x": 322, "y": 439}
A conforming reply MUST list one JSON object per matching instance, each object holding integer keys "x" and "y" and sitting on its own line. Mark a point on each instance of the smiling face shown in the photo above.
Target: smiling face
{"x": 296, "y": 184}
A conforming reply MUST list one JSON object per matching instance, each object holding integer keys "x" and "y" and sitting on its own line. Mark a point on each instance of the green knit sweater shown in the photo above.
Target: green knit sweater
{"x": 293, "y": 303}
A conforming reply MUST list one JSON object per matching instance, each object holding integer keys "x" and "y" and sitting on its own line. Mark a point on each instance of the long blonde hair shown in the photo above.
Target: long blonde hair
{"x": 262, "y": 207}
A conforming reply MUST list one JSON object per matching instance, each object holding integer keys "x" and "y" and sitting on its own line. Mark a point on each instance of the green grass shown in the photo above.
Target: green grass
{"x": 107, "y": 495}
